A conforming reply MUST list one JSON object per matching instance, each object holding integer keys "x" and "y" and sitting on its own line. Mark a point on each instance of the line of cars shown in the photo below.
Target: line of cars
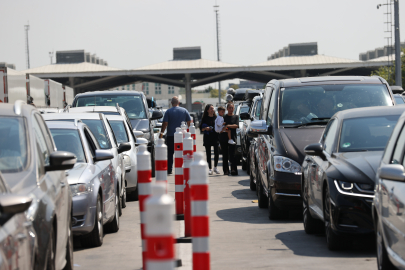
{"x": 332, "y": 148}
{"x": 66, "y": 176}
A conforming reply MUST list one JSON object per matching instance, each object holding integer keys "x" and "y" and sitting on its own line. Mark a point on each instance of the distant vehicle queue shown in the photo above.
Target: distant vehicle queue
{"x": 331, "y": 148}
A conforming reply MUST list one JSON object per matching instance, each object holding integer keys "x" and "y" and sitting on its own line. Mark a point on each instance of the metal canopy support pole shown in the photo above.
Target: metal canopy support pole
{"x": 398, "y": 77}
{"x": 188, "y": 91}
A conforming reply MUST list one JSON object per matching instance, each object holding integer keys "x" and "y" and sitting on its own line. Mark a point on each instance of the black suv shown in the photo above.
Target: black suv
{"x": 294, "y": 114}
{"x": 136, "y": 107}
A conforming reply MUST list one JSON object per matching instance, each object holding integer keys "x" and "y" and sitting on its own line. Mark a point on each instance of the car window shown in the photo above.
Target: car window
{"x": 366, "y": 133}
{"x": 69, "y": 140}
{"x": 45, "y": 131}
{"x": 315, "y": 103}
{"x": 329, "y": 136}
{"x": 119, "y": 131}
{"x": 99, "y": 131}
{"x": 133, "y": 104}
{"x": 258, "y": 109}
{"x": 13, "y": 144}
{"x": 41, "y": 142}
{"x": 272, "y": 105}
{"x": 399, "y": 100}
{"x": 243, "y": 109}
{"x": 399, "y": 148}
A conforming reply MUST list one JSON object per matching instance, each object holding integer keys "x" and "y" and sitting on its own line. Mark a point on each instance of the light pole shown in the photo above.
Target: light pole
{"x": 398, "y": 73}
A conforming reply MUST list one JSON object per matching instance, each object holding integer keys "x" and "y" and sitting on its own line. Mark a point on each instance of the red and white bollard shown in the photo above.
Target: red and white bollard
{"x": 187, "y": 159}
{"x": 199, "y": 212}
{"x": 161, "y": 162}
{"x": 192, "y": 131}
{"x": 178, "y": 170}
{"x": 159, "y": 230}
{"x": 144, "y": 190}
{"x": 184, "y": 128}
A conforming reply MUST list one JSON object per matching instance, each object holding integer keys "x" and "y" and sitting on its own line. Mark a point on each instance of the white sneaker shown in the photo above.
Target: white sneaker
{"x": 210, "y": 172}
{"x": 231, "y": 142}
{"x": 216, "y": 170}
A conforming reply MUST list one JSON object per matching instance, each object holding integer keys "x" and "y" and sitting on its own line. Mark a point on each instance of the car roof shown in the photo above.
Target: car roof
{"x": 110, "y": 93}
{"x": 56, "y": 116}
{"x": 63, "y": 124}
{"x": 93, "y": 109}
{"x": 306, "y": 81}
{"x": 11, "y": 109}
{"x": 370, "y": 111}
{"x": 114, "y": 117}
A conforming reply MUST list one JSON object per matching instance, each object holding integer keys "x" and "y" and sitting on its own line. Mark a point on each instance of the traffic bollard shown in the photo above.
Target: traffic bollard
{"x": 178, "y": 170}
{"x": 199, "y": 212}
{"x": 184, "y": 128}
{"x": 187, "y": 159}
{"x": 161, "y": 162}
{"x": 192, "y": 131}
{"x": 144, "y": 190}
{"x": 159, "y": 230}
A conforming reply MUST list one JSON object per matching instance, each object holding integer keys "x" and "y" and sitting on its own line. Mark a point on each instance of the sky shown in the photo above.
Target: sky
{"x": 134, "y": 33}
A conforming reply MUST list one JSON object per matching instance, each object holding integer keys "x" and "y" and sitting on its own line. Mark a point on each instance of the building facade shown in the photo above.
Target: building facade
{"x": 156, "y": 90}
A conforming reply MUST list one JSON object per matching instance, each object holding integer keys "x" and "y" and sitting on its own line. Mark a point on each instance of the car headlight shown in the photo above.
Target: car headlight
{"x": 32, "y": 210}
{"x": 127, "y": 161}
{"x": 347, "y": 186}
{"x": 283, "y": 164}
{"x": 79, "y": 189}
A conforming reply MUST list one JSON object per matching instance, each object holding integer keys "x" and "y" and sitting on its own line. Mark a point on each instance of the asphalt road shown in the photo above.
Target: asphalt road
{"x": 241, "y": 237}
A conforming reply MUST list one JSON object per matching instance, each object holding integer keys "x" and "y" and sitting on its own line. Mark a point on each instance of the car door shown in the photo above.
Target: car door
{"x": 118, "y": 158}
{"x": 56, "y": 184}
{"x": 393, "y": 201}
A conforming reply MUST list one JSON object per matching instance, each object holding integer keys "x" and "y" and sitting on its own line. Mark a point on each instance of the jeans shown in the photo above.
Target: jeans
{"x": 216, "y": 155}
{"x": 170, "y": 152}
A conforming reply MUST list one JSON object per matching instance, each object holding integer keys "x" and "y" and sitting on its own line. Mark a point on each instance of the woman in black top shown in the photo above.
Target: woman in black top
{"x": 228, "y": 150}
{"x": 210, "y": 136}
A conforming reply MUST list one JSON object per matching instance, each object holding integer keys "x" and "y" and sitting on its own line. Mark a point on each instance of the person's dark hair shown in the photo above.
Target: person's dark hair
{"x": 220, "y": 108}
{"x": 205, "y": 114}
{"x": 230, "y": 103}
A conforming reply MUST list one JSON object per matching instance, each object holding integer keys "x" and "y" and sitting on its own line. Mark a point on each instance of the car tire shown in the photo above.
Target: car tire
{"x": 133, "y": 196}
{"x": 50, "y": 254}
{"x": 247, "y": 164}
{"x": 261, "y": 198}
{"x": 252, "y": 180}
{"x": 95, "y": 237}
{"x": 244, "y": 164}
{"x": 114, "y": 225}
{"x": 274, "y": 212}
{"x": 152, "y": 156}
{"x": 69, "y": 247}
{"x": 311, "y": 225}
{"x": 333, "y": 241}
{"x": 119, "y": 205}
{"x": 383, "y": 261}
{"x": 124, "y": 198}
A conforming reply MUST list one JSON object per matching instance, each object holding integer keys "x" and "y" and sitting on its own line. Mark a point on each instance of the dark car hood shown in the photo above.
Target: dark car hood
{"x": 358, "y": 167}
{"x": 295, "y": 140}
{"x": 140, "y": 124}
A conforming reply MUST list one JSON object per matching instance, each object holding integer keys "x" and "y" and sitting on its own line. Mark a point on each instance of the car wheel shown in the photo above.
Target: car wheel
{"x": 383, "y": 261}
{"x": 95, "y": 238}
{"x": 120, "y": 205}
{"x": 124, "y": 198}
{"x": 334, "y": 242}
{"x": 244, "y": 165}
{"x": 152, "y": 156}
{"x": 50, "y": 254}
{"x": 275, "y": 213}
{"x": 311, "y": 225}
{"x": 114, "y": 225}
{"x": 133, "y": 196}
{"x": 261, "y": 198}
{"x": 69, "y": 247}
{"x": 252, "y": 182}
{"x": 247, "y": 164}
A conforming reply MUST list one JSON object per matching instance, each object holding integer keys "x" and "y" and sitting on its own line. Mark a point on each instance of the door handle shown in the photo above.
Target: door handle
{"x": 62, "y": 184}
{"x": 313, "y": 165}
{"x": 21, "y": 236}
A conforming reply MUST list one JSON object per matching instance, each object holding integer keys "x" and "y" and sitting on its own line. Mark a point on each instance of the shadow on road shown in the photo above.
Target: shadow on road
{"x": 251, "y": 214}
{"x": 303, "y": 244}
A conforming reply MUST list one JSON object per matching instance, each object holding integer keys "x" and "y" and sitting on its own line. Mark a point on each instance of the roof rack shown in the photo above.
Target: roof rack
{"x": 18, "y": 106}
{"x": 77, "y": 121}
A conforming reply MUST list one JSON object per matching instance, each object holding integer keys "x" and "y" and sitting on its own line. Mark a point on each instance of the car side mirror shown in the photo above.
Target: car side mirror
{"x": 156, "y": 115}
{"x": 14, "y": 204}
{"x": 260, "y": 127}
{"x": 124, "y": 147}
{"x": 60, "y": 161}
{"x": 140, "y": 141}
{"x": 138, "y": 133}
{"x": 315, "y": 149}
{"x": 392, "y": 172}
{"x": 103, "y": 155}
{"x": 244, "y": 116}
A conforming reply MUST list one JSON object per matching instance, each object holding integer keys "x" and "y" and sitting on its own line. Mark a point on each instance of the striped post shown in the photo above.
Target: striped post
{"x": 161, "y": 162}
{"x": 178, "y": 170}
{"x": 144, "y": 190}
{"x": 199, "y": 212}
{"x": 187, "y": 159}
{"x": 192, "y": 131}
{"x": 184, "y": 128}
{"x": 159, "y": 209}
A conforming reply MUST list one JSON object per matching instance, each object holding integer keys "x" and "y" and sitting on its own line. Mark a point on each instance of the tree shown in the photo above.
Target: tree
{"x": 388, "y": 72}
{"x": 214, "y": 93}
{"x": 234, "y": 86}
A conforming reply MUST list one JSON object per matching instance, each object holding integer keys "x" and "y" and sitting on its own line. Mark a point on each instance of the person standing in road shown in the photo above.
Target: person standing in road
{"x": 210, "y": 138}
{"x": 228, "y": 150}
{"x": 172, "y": 120}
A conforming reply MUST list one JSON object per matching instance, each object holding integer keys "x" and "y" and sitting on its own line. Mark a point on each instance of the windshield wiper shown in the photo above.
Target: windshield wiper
{"x": 308, "y": 124}
{"x": 321, "y": 118}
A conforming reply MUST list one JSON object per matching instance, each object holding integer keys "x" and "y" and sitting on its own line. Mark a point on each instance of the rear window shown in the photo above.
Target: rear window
{"x": 119, "y": 131}
{"x": 98, "y": 129}
{"x": 69, "y": 140}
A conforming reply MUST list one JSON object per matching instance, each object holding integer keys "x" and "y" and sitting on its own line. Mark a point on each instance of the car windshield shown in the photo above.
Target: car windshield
{"x": 132, "y": 104}
{"x": 13, "y": 144}
{"x": 300, "y": 105}
{"x": 119, "y": 131}
{"x": 69, "y": 140}
{"x": 399, "y": 100}
{"x": 242, "y": 110}
{"x": 99, "y": 132}
{"x": 366, "y": 133}
{"x": 258, "y": 108}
